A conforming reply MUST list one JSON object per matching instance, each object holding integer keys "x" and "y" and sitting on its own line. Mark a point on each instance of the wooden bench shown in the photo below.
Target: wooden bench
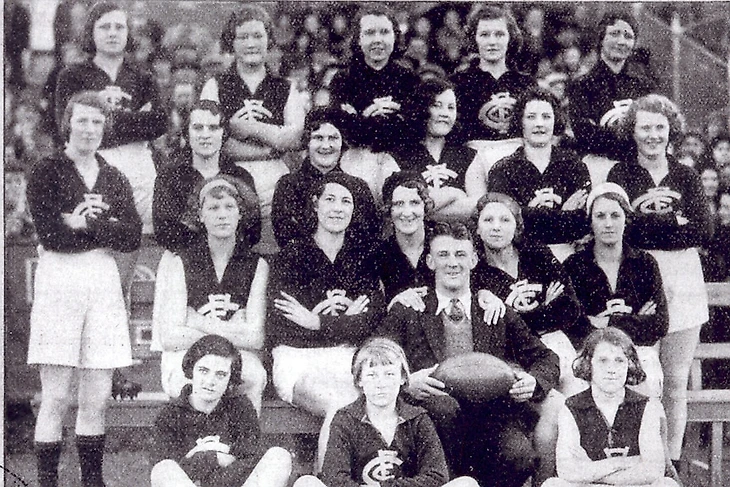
{"x": 710, "y": 405}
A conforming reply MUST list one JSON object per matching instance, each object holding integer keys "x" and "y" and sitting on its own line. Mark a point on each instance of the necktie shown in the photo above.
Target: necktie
{"x": 456, "y": 313}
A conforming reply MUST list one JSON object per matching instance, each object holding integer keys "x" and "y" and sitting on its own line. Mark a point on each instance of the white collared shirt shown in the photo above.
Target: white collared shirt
{"x": 444, "y": 303}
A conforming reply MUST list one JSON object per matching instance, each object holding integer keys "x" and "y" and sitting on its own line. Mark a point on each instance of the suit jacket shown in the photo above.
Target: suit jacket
{"x": 421, "y": 334}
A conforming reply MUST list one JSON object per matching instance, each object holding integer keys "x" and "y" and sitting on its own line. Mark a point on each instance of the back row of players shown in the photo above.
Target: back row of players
{"x": 325, "y": 294}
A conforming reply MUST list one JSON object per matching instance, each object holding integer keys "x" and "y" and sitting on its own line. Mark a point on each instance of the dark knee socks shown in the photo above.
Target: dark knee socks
{"x": 47, "y": 457}
{"x": 91, "y": 458}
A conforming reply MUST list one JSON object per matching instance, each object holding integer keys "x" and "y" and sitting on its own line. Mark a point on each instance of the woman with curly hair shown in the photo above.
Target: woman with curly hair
{"x": 671, "y": 220}
{"x": 609, "y": 434}
{"x": 214, "y": 286}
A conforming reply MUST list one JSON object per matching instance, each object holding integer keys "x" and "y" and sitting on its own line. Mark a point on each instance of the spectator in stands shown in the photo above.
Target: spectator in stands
{"x": 718, "y": 156}
{"x": 374, "y": 88}
{"x": 380, "y": 437}
{"x": 711, "y": 185}
{"x": 210, "y": 436}
{"x": 487, "y": 89}
{"x": 609, "y": 434}
{"x": 671, "y": 220}
{"x": 487, "y": 440}
{"x": 692, "y": 143}
{"x": 600, "y": 99}
{"x": 618, "y": 285}
{"x": 444, "y": 164}
{"x": 213, "y": 285}
{"x": 290, "y": 215}
{"x": 326, "y": 300}
{"x": 716, "y": 254}
{"x": 83, "y": 209}
{"x": 527, "y": 277}
{"x": 263, "y": 114}
{"x": 200, "y": 160}
{"x": 549, "y": 183}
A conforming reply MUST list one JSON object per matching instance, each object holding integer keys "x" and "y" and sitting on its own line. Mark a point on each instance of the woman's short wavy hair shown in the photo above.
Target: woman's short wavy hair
{"x": 582, "y": 368}
{"x": 87, "y": 98}
{"x": 378, "y": 9}
{"x": 512, "y": 206}
{"x": 407, "y": 179}
{"x": 217, "y": 187}
{"x": 540, "y": 94}
{"x": 422, "y": 100}
{"x": 379, "y": 351}
{"x": 654, "y": 103}
{"x": 609, "y": 20}
{"x": 98, "y": 11}
{"x": 492, "y": 12}
{"x": 340, "y": 119}
{"x": 219, "y": 346}
{"x": 247, "y": 13}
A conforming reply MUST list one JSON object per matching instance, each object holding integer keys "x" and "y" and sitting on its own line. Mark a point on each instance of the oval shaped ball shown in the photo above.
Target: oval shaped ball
{"x": 475, "y": 376}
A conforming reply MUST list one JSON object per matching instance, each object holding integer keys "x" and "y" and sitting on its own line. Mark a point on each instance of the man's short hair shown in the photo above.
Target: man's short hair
{"x": 455, "y": 230}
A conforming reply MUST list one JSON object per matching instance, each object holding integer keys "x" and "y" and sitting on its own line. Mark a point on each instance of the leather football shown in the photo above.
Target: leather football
{"x": 475, "y": 376}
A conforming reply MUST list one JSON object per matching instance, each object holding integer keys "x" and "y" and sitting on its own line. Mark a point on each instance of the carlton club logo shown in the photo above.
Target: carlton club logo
{"x": 523, "y": 297}
{"x": 612, "y": 117}
{"x": 438, "y": 174}
{"x": 659, "y": 200}
{"x": 116, "y": 98}
{"x": 380, "y": 468}
{"x": 497, "y": 112}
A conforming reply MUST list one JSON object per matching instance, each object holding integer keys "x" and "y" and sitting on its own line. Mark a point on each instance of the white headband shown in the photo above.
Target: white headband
{"x": 605, "y": 188}
{"x": 211, "y": 185}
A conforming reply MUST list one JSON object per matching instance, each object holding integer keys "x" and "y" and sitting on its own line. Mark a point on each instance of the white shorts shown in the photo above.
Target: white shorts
{"x": 684, "y": 286}
{"x": 563, "y": 348}
{"x": 291, "y": 364}
{"x": 134, "y": 160}
{"x": 372, "y": 167}
{"x": 173, "y": 378}
{"x": 653, "y": 386}
{"x": 562, "y": 251}
{"x": 490, "y": 151}
{"x": 78, "y": 317}
{"x": 598, "y": 168}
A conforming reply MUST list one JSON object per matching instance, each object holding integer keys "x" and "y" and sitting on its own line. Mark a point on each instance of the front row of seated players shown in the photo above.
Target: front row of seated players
{"x": 491, "y": 440}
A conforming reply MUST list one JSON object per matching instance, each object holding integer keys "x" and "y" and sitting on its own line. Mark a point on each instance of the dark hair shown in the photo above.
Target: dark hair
{"x": 379, "y": 351}
{"x": 246, "y": 199}
{"x": 456, "y": 230}
{"x": 98, "y": 11}
{"x": 340, "y": 119}
{"x": 655, "y": 104}
{"x": 214, "y": 345}
{"x": 721, "y": 137}
{"x": 379, "y": 10}
{"x": 86, "y": 98}
{"x": 609, "y": 20}
{"x": 582, "y": 368}
{"x": 421, "y": 102}
{"x": 317, "y": 189}
{"x": 512, "y": 206}
{"x": 491, "y": 12}
{"x": 406, "y": 179}
{"x": 540, "y": 94}
{"x": 247, "y": 13}
{"x": 207, "y": 106}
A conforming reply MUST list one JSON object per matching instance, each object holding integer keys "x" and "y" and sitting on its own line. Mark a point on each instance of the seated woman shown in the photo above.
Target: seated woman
{"x": 549, "y": 183}
{"x": 380, "y": 437}
{"x": 209, "y": 436}
{"x": 527, "y": 277}
{"x": 216, "y": 286}
{"x": 326, "y": 301}
{"x": 618, "y": 285}
{"x": 443, "y": 163}
{"x": 609, "y": 434}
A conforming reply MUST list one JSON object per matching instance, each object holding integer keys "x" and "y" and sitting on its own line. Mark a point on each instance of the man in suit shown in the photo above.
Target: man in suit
{"x": 488, "y": 440}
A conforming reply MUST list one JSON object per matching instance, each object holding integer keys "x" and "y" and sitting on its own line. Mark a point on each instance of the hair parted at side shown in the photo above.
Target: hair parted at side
{"x": 539, "y": 94}
{"x": 247, "y": 13}
{"x": 455, "y": 230}
{"x": 379, "y": 351}
{"x": 407, "y": 179}
{"x": 655, "y": 104}
{"x": 609, "y": 20}
{"x": 377, "y": 9}
{"x": 87, "y": 98}
{"x": 214, "y": 345}
{"x": 95, "y": 13}
{"x": 512, "y": 206}
{"x": 582, "y": 368}
{"x": 207, "y": 106}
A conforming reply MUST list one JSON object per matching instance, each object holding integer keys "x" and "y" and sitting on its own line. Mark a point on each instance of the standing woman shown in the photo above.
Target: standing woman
{"x": 599, "y": 100}
{"x": 131, "y": 94}
{"x": 82, "y": 209}
{"x": 489, "y": 87}
{"x": 262, "y": 113}
{"x": 433, "y": 152}
{"x": 326, "y": 301}
{"x": 671, "y": 221}
{"x": 215, "y": 285}
{"x": 618, "y": 285}
{"x": 374, "y": 88}
{"x": 549, "y": 183}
